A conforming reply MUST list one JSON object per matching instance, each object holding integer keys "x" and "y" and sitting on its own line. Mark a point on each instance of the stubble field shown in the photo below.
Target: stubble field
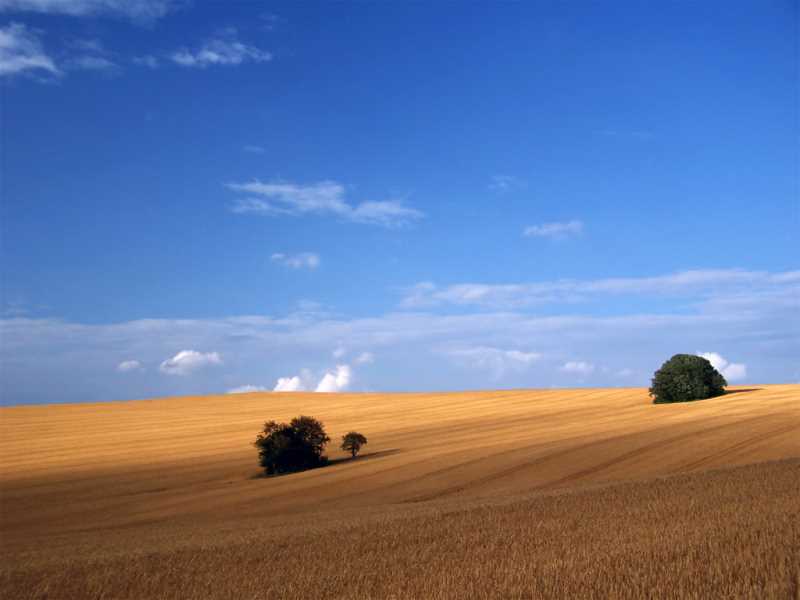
{"x": 519, "y": 494}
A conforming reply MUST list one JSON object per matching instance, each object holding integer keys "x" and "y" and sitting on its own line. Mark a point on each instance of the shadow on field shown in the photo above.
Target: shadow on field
{"x": 365, "y": 456}
{"x": 729, "y": 392}
{"x": 334, "y": 461}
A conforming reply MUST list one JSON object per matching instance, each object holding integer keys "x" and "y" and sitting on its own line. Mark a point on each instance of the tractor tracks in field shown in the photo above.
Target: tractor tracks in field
{"x": 594, "y": 469}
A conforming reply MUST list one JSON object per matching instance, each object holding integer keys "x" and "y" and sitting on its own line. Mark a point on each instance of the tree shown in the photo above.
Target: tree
{"x": 352, "y": 442}
{"x": 686, "y": 377}
{"x": 297, "y": 446}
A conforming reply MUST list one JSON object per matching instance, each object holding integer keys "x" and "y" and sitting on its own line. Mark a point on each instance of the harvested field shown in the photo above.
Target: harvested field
{"x": 580, "y": 493}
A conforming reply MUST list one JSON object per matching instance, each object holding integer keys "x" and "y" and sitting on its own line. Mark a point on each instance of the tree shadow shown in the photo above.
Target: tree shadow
{"x": 365, "y": 456}
{"x": 742, "y": 391}
{"x": 333, "y": 461}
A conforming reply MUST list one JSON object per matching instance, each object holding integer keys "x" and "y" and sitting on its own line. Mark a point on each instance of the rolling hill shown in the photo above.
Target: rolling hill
{"x": 520, "y": 493}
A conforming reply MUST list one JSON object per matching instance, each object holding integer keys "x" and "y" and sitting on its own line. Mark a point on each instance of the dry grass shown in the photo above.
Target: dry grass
{"x": 580, "y": 493}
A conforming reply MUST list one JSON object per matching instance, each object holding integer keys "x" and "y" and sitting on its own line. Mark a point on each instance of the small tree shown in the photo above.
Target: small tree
{"x": 686, "y": 377}
{"x": 297, "y": 446}
{"x": 352, "y": 442}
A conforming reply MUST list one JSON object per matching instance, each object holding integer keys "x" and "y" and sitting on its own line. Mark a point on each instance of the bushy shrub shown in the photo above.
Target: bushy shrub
{"x": 686, "y": 377}
{"x": 294, "y": 447}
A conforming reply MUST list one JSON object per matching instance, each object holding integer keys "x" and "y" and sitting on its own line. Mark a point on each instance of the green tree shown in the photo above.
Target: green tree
{"x": 686, "y": 377}
{"x": 297, "y": 446}
{"x": 352, "y": 442}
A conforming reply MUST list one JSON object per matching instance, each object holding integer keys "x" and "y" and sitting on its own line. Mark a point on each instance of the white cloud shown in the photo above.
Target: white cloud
{"x": 225, "y": 50}
{"x": 129, "y": 365}
{"x": 148, "y": 60}
{"x": 21, "y": 51}
{"x": 364, "y": 358}
{"x": 289, "y": 384}
{"x": 339, "y": 352}
{"x": 336, "y": 381}
{"x": 578, "y": 366}
{"x": 750, "y": 314}
{"x": 506, "y": 183}
{"x": 253, "y": 149}
{"x": 247, "y": 389}
{"x": 730, "y": 371}
{"x": 555, "y": 231}
{"x": 91, "y": 63}
{"x": 497, "y": 360}
{"x": 325, "y": 198}
{"x": 388, "y": 213}
{"x": 186, "y": 362}
{"x": 722, "y": 286}
{"x": 304, "y": 260}
{"x": 144, "y": 10}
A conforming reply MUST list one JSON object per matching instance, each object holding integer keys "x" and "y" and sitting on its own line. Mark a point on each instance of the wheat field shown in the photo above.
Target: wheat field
{"x": 514, "y": 494}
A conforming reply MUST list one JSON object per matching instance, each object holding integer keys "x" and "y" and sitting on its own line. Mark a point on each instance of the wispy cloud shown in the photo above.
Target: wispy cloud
{"x": 325, "y": 198}
{"x": 224, "y": 50}
{"x": 496, "y": 360}
{"x": 186, "y": 362}
{"x": 721, "y": 286}
{"x": 578, "y": 367}
{"x": 91, "y": 63}
{"x": 141, "y": 10}
{"x": 506, "y": 183}
{"x": 364, "y": 358}
{"x": 555, "y": 231}
{"x": 303, "y": 260}
{"x": 247, "y": 389}
{"x": 147, "y": 60}
{"x": 21, "y": 51}
{"x": 252, "y": 149}
{"x": 761, "y": 331}
{"x": 129, "y": 365}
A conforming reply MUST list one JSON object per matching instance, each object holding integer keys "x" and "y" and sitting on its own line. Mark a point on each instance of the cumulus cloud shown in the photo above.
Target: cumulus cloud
{"x": 730, "y": 371}
{"x": 555, "y": 231}
{"x": 129, "y": 365}
{"x": 364, "y": 358}
{"x": 246, "y": 389}
{"x": 289, "y": 384}
{"x": 578, "y": 367}
{"x": 304, "y": 260}
{"x": 225, "y": 50}
{"x": 325, "y": 198}
{"x": 21, "y": 51}
{"x": 336, "y": 381}
{"x": 144, "y": 10}
{"x": 186, "y": 362}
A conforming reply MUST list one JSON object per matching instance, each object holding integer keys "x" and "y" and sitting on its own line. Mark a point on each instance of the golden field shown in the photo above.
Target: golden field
{"x": 514, "y": 494}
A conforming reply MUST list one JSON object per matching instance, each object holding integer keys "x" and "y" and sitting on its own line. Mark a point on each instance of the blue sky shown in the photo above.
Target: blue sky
{"x": 198, "y": 197}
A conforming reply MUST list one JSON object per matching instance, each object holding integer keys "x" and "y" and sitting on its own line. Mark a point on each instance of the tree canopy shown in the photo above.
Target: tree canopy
{"x": 352, "y": 442}
{"x": 686, "y": 377}
{"x": 297, "y": 446}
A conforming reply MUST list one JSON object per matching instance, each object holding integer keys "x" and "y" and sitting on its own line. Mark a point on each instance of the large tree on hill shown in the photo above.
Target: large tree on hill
{"x": 686, "y": 377}
{"x": 297, "y": 446}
